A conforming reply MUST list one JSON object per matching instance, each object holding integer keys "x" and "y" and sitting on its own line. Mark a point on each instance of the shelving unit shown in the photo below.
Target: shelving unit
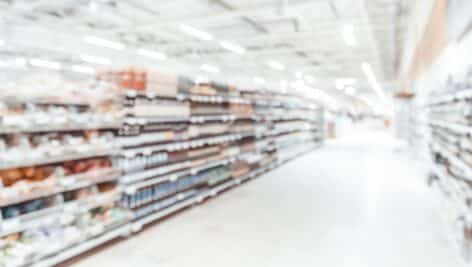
{"x": 164, "y": 148}
{"x": 58, "y": 184}
{"x": 450, "y": 131}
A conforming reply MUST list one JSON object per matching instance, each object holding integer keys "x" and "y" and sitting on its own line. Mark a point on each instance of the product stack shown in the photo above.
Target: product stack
{"x": 58, "y": 184}
{"x": 85, "y": 166}
{"x": 183, "y": 142}
{"x": 450, "y": 121}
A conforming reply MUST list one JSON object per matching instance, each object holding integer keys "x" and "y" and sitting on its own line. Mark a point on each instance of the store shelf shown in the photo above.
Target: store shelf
{"x": 459, "y": 128}
{"x": 142, "y": 179}
{"x": 140, "y": 120}
{"x": 89, "y": 152}
{"x": 457, "y": 196}
{"x": 212, "y": 192}
{"x": 61, "y": 184}
{"x": 148, "y": 187}
{"x": 84, "y": 247}
{"x": 59, "y": 128}
{"x": 55, "y": 213}
{"x": 208, "y": 118}
{"x": 450, "y": 97}
{"x": 195, "y": 143}
{"x": 20, "y": 98}
{"x": 454, "y": 160}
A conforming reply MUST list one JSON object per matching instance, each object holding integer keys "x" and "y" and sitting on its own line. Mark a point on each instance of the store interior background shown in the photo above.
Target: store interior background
{"x": 366, "y": 197}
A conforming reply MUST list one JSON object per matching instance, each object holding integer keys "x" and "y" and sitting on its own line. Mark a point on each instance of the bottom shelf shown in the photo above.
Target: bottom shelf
{"x": 205, "y": 194}
{"x": 128, "y": 228}
{"x": 85, "y": 246}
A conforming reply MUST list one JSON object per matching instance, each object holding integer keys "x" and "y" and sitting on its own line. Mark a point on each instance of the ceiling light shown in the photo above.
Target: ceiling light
{"x": 96, "y": 60}
{"x": 152, "y": 54}
{"x": 366, "y": 68}
{"x": 233, "y": 47}
{"x": 104, "y": 43}
{"x": 275, "y": 65}
{"x": 2, "y": 43}
{"x": 210, "y": 68}
{"x": 259, "y": 80}
{"x": 20, "y": 61}
{"x": 299, "y": 75}
{"x": 83, "y": 69}
{"x": 45, "y": 63}
{"x": 195, "y": 32}
{"x": 348, "y": 34}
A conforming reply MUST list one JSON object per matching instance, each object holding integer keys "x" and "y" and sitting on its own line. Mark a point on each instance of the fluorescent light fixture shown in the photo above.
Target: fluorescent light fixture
{"x": 195, "y": 32}
{"x": 210, "y": 68}
{"x": 45, "y": 63}
{"x": 83, "y": 69}
{"x": 20, "y": 61}
{"x": 151, "y": 54}
{"x": 350, "y": 90}
{"x": 299, "y": 75}
{"x": 104, "y": 42}
{"x": 367, "y": 69}
{"x": 348, "y": 34}
{"x": 259, "y": 80}
{"x": 275, "y": 65}
{"x": 233, "y": 47}
{"x": 96, "y": 60}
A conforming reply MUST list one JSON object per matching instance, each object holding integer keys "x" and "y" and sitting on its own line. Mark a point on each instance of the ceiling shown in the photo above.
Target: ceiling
{"x": 304, "y": 36}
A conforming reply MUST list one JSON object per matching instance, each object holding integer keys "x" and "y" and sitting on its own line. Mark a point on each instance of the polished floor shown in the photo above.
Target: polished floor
{"x": 358, "y": 201}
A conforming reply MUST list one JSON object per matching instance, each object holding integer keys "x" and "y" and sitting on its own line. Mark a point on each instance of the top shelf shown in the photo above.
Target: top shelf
{"x": 220, "y": 99}
{"x": 450, "y": 97}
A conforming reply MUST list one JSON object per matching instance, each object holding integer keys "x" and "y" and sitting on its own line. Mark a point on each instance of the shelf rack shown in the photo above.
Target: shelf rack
{"x": 450, "y": 132}
{"x": 243, "y": 155}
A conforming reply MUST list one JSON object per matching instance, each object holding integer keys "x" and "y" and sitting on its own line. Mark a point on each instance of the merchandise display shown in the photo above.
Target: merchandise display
{"x": 116, "y": 116}
{"x": 83, "y": 168}
{"x": 448, "y": 115}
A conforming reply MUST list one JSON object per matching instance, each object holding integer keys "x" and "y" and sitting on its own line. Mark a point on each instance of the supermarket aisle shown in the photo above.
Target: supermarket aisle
{"x": 355, "y": 202}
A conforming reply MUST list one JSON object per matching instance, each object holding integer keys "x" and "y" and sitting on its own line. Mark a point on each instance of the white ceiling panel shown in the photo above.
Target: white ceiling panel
{"x": 300, "y": 34}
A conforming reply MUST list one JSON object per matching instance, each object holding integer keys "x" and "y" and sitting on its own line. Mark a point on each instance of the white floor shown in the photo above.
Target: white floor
{"x": 357, "y": 201}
